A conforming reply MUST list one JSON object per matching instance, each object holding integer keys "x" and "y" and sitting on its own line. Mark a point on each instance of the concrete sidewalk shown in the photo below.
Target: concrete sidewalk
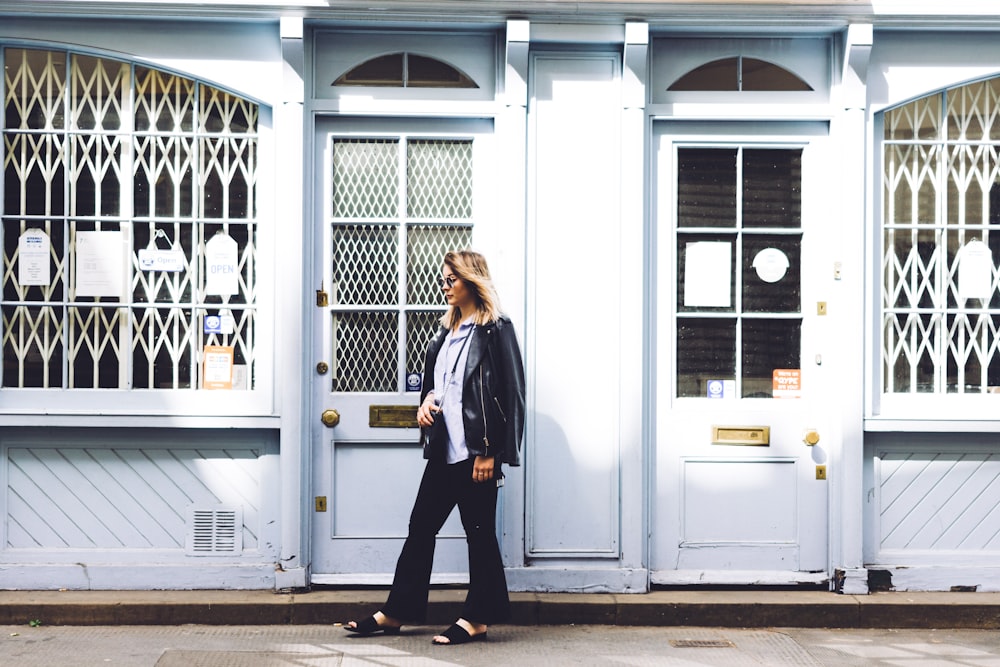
{"x": 705, "y": 608}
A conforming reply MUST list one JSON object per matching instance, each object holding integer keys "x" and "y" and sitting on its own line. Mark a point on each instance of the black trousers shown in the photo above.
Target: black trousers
{"x": 442, "y": 487}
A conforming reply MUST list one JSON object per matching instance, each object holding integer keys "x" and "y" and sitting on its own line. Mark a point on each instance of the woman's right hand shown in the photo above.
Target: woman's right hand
{"x": 426, "y": 411}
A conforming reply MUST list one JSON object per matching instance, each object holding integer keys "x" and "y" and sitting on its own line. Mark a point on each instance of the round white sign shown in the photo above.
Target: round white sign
{"x": 770, "y": 264}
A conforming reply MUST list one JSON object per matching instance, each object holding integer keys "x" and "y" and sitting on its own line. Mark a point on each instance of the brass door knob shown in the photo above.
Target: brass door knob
{"x": 330, "y": 418}
{"x": 811, "y": 437}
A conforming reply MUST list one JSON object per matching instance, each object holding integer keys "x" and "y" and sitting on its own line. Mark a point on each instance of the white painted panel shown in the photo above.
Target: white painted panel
{"x": 361, "y": 534}
{"x": 739, "y": 501}
{"x": 938, "y": 501}
{"x": 374, "y": 488}
{"x": 574, "y": 287}
{"x": 118, "y": 497}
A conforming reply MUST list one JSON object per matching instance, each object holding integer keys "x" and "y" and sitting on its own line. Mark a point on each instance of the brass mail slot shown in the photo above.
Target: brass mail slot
{"x": 741, "y": 435}
{"x": 392, "y": 416}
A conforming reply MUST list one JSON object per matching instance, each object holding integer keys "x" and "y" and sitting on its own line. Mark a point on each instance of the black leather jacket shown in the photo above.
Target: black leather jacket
{"x": 494, "y": 380}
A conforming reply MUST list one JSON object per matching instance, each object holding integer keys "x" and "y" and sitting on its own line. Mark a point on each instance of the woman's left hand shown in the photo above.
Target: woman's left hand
{"x": 482, "y": 469}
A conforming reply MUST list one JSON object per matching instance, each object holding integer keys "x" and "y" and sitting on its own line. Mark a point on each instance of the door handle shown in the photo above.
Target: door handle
{"x": 811, "y": 437}
{"x": 330, "y": 418}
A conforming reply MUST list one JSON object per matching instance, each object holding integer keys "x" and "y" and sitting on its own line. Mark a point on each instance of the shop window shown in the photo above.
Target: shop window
{"x": 405, "y": 70}
{"x": 940, "y": 306}
{"x": 129, "y": 227}
{"x": 739, "y": 74}
{"x": 739, "y": 237}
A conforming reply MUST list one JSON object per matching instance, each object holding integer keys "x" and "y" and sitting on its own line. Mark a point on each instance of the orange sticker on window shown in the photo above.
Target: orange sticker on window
{"x": 786, "y": 383}
{"x": 218, "y": 369}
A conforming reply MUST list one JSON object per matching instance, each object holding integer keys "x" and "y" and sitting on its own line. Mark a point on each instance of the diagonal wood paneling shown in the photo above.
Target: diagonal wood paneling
{"x": 113, "y": 498}
{"x": 939, "y": 501}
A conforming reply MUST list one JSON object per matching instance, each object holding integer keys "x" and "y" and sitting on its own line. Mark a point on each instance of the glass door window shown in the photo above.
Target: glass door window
{"x": 738, "y": 245}
{"x": 398, "y": 204}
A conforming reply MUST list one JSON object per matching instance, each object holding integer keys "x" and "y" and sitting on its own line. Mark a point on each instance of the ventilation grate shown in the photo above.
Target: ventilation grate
{"x": 214, "y": 531}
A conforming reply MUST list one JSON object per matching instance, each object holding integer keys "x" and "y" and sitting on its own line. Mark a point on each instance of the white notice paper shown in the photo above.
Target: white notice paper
{"x": 33, "y": 258}
{"x": 221, "y": 266}
{"x": 100, "y": 267}
{"x": 975, "y": 271}
{"x": 706, "y": 274}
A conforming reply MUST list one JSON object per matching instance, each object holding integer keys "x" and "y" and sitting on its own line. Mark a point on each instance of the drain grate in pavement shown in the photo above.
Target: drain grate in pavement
{"x": 702, "y": 643}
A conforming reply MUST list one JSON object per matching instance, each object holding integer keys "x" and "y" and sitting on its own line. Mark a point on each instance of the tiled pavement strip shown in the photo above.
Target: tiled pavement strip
{"x": 548, "y": 646}
{"x": 686, "y": 628}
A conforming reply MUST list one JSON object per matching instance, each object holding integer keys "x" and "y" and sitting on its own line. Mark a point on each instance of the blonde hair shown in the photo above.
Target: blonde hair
{"x": 470, "y": 267}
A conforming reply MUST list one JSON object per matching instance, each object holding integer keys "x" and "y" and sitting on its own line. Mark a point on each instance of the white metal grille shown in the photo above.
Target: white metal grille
{"x": 439, "y": 179}
{"x": 213, "y": 530}
{"x": 365, "y": 178}
{"x": 164, "y": 160}
{"x": 388, "y": 238}
{"x": 941, "y": 188}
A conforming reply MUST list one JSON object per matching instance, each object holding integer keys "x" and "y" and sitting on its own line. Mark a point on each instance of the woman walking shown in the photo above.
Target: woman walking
{"x": 474, "y": 383}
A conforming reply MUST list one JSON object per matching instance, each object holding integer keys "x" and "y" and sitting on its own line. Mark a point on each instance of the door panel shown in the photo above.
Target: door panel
{"x": 737, "y": 499}
{"x": 391, "y": 198}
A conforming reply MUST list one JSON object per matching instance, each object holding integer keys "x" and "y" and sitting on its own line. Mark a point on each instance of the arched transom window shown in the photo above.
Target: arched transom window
{"x": 128, "y": 220}
{"x": 405, "y": 70}
{"x": 739, "y": 73}
{"x": 940, "y": 307}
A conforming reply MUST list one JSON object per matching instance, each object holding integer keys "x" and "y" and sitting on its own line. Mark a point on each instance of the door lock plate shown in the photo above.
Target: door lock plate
{"x": 320, "y": 503}
{"x": 820, "y": 472}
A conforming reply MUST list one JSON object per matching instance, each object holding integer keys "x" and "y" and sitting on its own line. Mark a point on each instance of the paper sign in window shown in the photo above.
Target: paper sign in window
{"x": 706, "y": 274}
{"x": 100, "y": 264}
{"x": 218, "y": 367}
{"x": 975, "y": 271}
{"x": 221, "y": 266}
{"x": 33, "y": 249}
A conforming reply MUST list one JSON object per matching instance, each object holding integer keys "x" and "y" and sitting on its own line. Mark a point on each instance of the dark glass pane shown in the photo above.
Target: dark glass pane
{"x": 768, "y": 345}
{"x": 381, "y": 71}
{"x": 162, "y": 366}
{"x": 95, "y": 335}
{"x": 772, "y": 188}
{"x": 33, "y": 174}
{"x": 38, "y": 82}
{"x": 96, "y": 157}
{"x": 706, "y": 187}
{"x": 772, "y": 275}
{"x": 424, "y": 72}
{"x": 761, "y": 75}
{"x": 702, "y": 273}
{"x": 27, "y": 362}
{"x": 717, "y": 75}
{"x": 706, "y": 350}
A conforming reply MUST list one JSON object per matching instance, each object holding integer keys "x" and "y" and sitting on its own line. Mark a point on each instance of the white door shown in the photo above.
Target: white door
{"x": 740, "y": 494}
{"x": 391, "y": 197}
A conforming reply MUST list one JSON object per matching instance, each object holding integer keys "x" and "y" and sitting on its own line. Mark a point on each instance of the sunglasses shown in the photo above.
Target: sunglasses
{"x": 449, "y": 281}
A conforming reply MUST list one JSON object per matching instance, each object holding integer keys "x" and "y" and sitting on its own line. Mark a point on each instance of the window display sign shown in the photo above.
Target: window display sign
{"x": 222, "y": 266}
{"x": 707, "y": 274}
{"x": 156, "y": 259}
{"x": 975, "y": 271}
{"x": 100, "y": 263}
{"x": 218, "y": 367}
{"x": 771, "y": 264}
{"x": 33, "y": 249}
{"x": 786, "y": 383}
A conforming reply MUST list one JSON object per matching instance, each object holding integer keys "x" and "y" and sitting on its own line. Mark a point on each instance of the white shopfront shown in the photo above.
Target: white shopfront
{"x": 751, "y": 272}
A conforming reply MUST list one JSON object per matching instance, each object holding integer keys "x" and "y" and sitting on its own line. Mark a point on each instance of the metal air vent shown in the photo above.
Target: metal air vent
{"x": 214, "y": 531}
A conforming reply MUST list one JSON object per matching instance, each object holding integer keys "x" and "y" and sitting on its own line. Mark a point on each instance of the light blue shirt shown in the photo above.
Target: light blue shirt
{"x": 450, "y": 388}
